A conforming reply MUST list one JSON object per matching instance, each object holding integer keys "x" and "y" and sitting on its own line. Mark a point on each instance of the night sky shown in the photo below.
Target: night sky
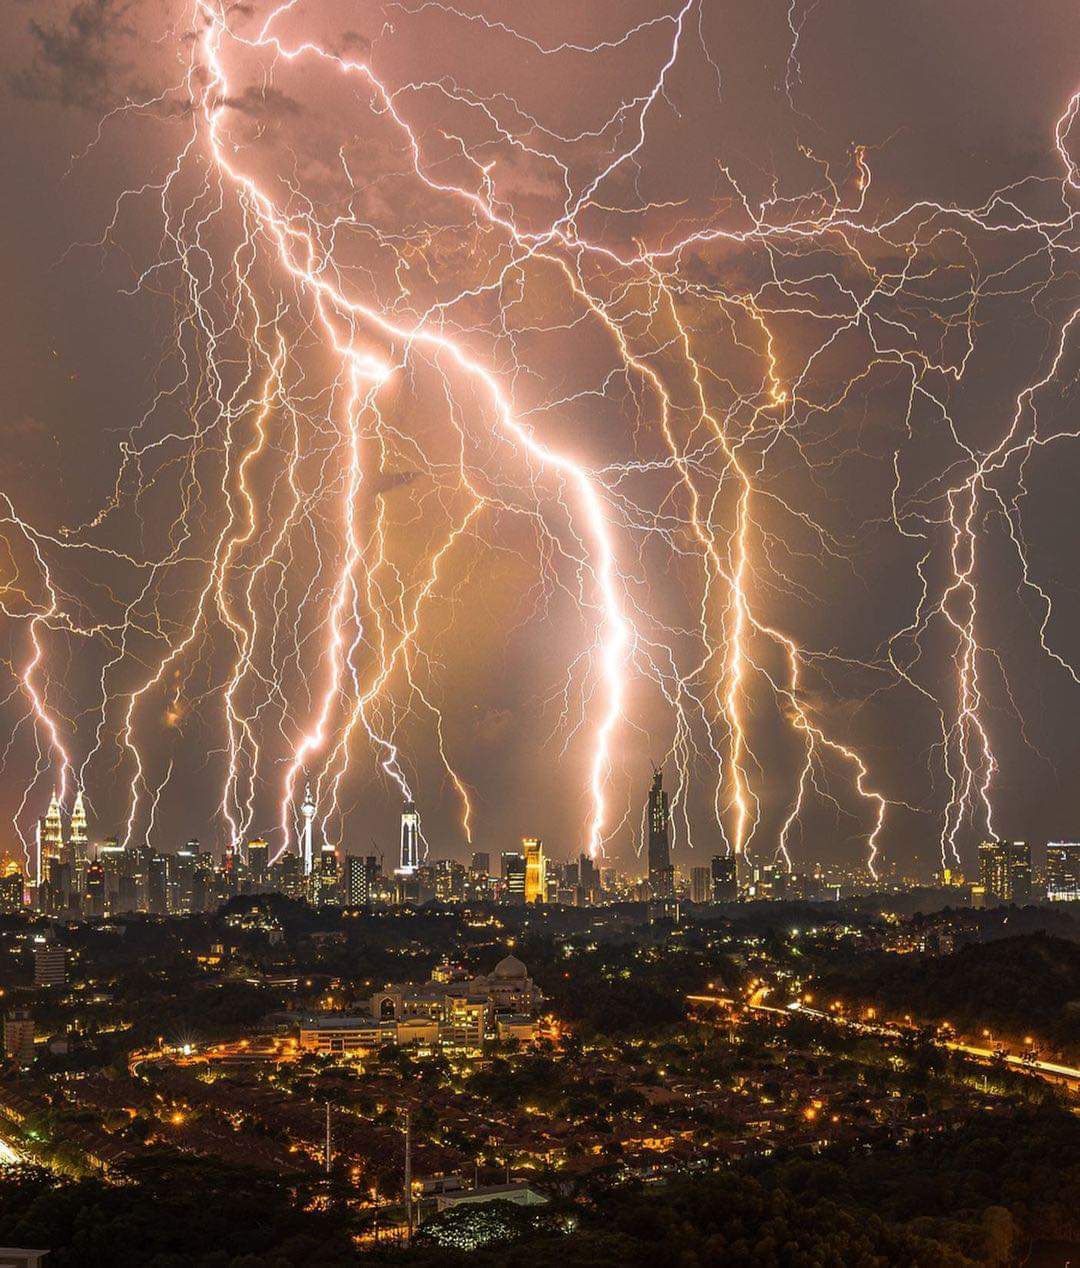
{"x": 808, "y": 342}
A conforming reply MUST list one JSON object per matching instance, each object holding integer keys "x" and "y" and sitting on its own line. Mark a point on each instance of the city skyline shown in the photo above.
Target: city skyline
{"x": 729, "y": 478}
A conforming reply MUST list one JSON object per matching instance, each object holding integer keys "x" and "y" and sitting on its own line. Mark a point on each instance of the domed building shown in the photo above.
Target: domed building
{"x": 508, "y": 988}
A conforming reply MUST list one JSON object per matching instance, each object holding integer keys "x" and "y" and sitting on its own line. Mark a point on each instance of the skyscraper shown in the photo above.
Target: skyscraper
{"x": 50, "y": 839}
{"x": 661, "y": 873}
{"x": 258, "y": 860}
{"x": 725, "y": 878}
{"x": 701, "y": 885}
{"x": 1005, "y": 871}
{"x": 79, "y": 843}
{"x": 182, "y": 886}
{"x": 513, "y": 876}
{"x": 361, "y": 879}
{"x": 1063, "y": 871}
{"x": 410, "y": 839}
{"x": 535, "y": 870}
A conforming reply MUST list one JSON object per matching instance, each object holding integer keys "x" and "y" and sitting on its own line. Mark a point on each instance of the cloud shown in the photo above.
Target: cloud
{"x": 264, "y": 103}
{"x": 352, "y": 42}
{"x": 75, "y": 60}
{"x": 385, "y": 483}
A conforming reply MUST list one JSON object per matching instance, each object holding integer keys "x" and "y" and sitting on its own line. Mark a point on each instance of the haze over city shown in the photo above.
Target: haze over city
{"x": 539, "y": 645}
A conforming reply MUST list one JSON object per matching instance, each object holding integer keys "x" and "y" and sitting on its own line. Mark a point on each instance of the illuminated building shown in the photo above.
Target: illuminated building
{"x": 307, "y": 809}
{"x": 96, "y": 894}
{"x": 513, "y": 876}
{"x": 1063, "y": 871}
{"x": 450, "y": 1010}
{"x": 481, "y": 864}
{"x": 725, "y": 878}
{"x": 78, "y": 843}
{"x": 361, "y": 880}
{"x": 50, "y": 963}
{"x": 701, "y": 885}
{"x": 410, "y": 840}
{"x": 450, "y": 879}
{"x": 12, "y": 890}
{"x": 326, "y": 878}
{"x": 182, "y": 882}
{"x": 158, "y": 884}
{"x": 588, "y": 880}
{"x": 258, "y": 861}
{"x": 19, "y": 1036}
{"x": 535, "y": 870}
{"x": 1005, "y": 871}
{"x": 50, "y": 839}
{"x": 661, "y": 873}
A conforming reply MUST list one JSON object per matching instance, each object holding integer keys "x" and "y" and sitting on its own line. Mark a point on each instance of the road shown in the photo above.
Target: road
{"x": 1049, "y": 1070}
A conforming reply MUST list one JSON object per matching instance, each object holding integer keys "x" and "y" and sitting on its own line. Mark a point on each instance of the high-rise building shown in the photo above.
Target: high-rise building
{"x": 481, "y": 864}
{"x": 725, "y": 878}
{"x": 661, "y": 873}
{"x": 50, "y": 963}
{"x": 361, "y": 880}
{"x": 50, "y": 839}
{"x": 19, "y": 1036}
{"x": 258, "y": 861}
{"x": 12, "y": 890}
{"x": 513, "y": 876}
{"x": 701, "y": 890}
{"x": 96, "y": 895}
{"x": 158, "y": 886}
{"x": 182, "y": 879}
{"x": 307, "y": 809}
{"x": 450, "y": 878}
{"x": 410, "y": 839}
{"x": 535, "y": 870}
{"x": 588, "y": 879}
{"x": 78, "y": 843}
{"x": 1005, "y": 871}
{"x": 325, "y": 888}
{"x": 1063, "y": 871}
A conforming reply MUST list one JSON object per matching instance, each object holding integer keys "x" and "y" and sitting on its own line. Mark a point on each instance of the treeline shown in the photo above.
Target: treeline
{"x": 1013, "y": 987}
{"x": 971, "y": 1198}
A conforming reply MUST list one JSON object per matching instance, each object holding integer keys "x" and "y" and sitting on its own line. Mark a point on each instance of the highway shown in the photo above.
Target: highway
{"x": 1049, "y": 1070}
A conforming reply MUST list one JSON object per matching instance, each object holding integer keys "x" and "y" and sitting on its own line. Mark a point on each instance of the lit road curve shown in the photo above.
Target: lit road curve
{"x": 1049, "y": 1070}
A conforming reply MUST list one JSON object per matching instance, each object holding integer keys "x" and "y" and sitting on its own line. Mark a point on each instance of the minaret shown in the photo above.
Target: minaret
{"x": 50, "y": 838}
{"x": 308, "y": 811}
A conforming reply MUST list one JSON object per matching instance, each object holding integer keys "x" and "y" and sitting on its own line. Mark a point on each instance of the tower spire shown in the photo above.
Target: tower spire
{"x": 307, "y": 809}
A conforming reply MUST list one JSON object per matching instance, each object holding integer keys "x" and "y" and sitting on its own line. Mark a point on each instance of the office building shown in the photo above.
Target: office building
{"x": 1005, "y": 871}
{"x": 50, "y": 839}
{"x": 361, "y": 880}
{"x": 19, "y": 1036}
{"x": 158, "y": 883}
{"x": 513, "y": 876}
{"x": 96, "y": 898}
{"x": 661, "y": 873}
{"x": 725, "y": 878}
{"x": 258, "y": 862}
{"x": 50, "y": 963}
{"x": 182, "y": 879}
{"x": 12, "y": 890}
{"x": 535, "y": 870}
{"x": 1063, "y": 871}
{"x": 701, "y": 890}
